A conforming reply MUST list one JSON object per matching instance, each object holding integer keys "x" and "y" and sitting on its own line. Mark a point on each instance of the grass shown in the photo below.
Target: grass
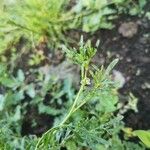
{"x": 50, "y": 20}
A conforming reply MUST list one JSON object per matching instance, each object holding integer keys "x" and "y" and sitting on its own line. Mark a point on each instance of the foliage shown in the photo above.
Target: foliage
{"x": 90, "y": 122}
{"x": 137, "y": 7}
{"x": 11, "y": 114}
{"x": 50, "y": 19}
{"x": 18, "y": 93}
{"x": 25, "y": 25}
{"x": 144, "y": 136}
{"x": 10, "y": 140}
{"x": 100, "y": 13}
{"x": 94, "y": 106}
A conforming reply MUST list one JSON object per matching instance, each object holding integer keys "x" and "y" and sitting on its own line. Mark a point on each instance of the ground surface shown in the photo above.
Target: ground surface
{"x": 134, "y": 54}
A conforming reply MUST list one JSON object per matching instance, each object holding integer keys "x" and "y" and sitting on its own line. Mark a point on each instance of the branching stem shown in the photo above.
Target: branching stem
{"x": 73, "y": 108}
{"x": 74, "y": 105}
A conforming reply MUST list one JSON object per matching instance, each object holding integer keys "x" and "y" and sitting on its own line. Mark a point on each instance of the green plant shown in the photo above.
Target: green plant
{"x": 137, "y": 7}
{"x": 38, "y": 19}
{"x": 90, "y": 122}
{"x": 36, "y": 58}
{"x": 144, "y": 136}
{"x": 18, "y": 93}
{"x": 12, "y": 140}
{"x": 24, "y": 26}
{"x": 99, "y": 13}
{"x": 50, "y": 19}
{"x": 95, "y": 106}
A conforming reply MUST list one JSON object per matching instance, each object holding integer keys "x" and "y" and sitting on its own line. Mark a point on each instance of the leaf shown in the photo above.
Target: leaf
{"x": 2, "y": 68}
{"x": 43, "y": 109}
{"x": 142, "y": 3}
{"x": 9, "y": 82}
{"x": 19, "y": 96}
{"x": 71, "y": 145}
{"x": 144, "y": 136}
{"x": 20, "y": 75}
{"x": 2, "y": 98}
{"x": 68, "y": 88}
{"x": 108, "y": 102}
{"x": 17, "y": 115}
{"x": 111, "y": 66}
{"x": 31, "y": 90}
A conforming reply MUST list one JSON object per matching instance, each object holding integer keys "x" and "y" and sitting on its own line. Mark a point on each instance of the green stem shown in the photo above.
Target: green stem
{"x": 74, "y": 105}
{"x": 83, "y": 83}
{"x": 73, "y": 108}
{"x": 83, "y": 101}
{"x": 39, "y": 141}
{"x": 66, "y": 118}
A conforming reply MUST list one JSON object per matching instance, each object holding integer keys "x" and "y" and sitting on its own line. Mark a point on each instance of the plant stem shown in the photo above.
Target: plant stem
{"x": 74, "y": 104}
{"x": 83, "y": 102}
{"x": 72, "y": 110}
{"x": 66, "y": 118}
{"x": 83, "y": 83}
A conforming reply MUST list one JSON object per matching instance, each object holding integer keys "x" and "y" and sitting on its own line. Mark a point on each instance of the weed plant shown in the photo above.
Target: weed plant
{"x": 91, "y": 121}
{"x": 48, "y": 20}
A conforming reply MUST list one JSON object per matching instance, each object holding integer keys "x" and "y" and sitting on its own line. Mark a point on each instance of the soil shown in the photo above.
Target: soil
{"x": 134, "y": 64}
{"x": 132, "y": 46}
{"x": 42, "y": 122}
